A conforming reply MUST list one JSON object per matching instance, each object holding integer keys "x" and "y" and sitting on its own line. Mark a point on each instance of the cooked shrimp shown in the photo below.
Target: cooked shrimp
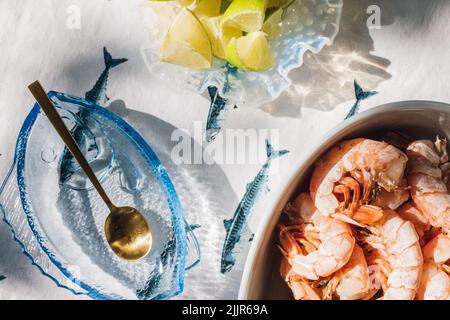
{"x": 445, "y": 168}
{"x": 410, "y": 212}
{"x": 441, "y": 148}
{"x": 397, "y": 243}
{"x": 333, "y": 246}
{"x": 435, "y": 282}
{"x": 428, "y": 190}
{"x": 300, "y": 287}
{"x": 392, "y": 200}
{"x": 353, "y": 278}
{"x": 301, "y": 209}
{"x": 372, "y": 163}
{"x": 379, "y": 269}
{"x": 438, "y": 249}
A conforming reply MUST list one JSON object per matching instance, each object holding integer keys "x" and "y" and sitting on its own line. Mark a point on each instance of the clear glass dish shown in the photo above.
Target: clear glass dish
{"x": 60, "y": 225}
{"x": 307, "y": 25}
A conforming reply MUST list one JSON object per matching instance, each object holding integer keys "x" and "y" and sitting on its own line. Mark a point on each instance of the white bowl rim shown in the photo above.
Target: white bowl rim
{"x": 265, "y": 218}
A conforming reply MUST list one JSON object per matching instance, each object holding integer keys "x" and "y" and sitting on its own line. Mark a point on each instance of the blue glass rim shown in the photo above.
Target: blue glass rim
{"x": 151, "y": 158}
{"x": 21, "y": 244}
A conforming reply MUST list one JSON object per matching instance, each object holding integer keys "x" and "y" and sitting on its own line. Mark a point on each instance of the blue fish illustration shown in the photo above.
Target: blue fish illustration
{"x": 98, "y": 96}
{"x": 2, "y": 278}
{"x": 194, "y": 226}
{"x": 193, "y": 250}
{"x": 219, "y": 106}
{"x": 235, "y": 226}
{"x": 155, "y": 282}
{"x": 360, "y": 95}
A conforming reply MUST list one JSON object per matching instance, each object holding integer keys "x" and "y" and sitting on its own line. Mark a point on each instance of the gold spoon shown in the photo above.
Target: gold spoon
{"x": 127, "y": 231}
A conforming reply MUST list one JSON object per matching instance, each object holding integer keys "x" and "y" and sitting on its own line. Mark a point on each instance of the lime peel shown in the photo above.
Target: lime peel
{"x": 187, "y": 43}
{"x": 219, "y": 37}
{"x": 246, "y": 15}
{"x": 250, "y": 52}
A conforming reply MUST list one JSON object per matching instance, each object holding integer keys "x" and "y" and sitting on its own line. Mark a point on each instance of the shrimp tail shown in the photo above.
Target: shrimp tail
{"x": 273, "y": 154}
{"x": 109, "y": 61}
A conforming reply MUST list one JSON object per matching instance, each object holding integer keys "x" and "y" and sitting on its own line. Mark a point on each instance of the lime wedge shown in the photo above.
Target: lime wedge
{"x": 187, "y": 43}
{"x": 279, "y": 3}
{"x": 201, "y": 8}
{"x": 225, "y": 4}
{"x": 245, "y": 15}
{"x": 219, "y": 37}
{"x": 272, "y": 25}
{"x": 251, "y": 52}
{"x": 184, "y": 3}
{"x": 276, "y": 3}
{"x": 206, "y": 8}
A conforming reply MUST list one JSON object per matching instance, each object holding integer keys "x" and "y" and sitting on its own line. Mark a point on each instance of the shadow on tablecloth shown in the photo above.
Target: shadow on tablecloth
{"x": 207, "y": 199}
{"x": 326, "y": 79}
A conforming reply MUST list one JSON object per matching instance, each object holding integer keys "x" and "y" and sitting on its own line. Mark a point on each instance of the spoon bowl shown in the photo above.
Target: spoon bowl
{"x": 128, "y": 233}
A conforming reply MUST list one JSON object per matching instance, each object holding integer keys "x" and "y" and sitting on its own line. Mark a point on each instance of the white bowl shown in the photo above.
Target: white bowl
{"x": 421, "y": 119}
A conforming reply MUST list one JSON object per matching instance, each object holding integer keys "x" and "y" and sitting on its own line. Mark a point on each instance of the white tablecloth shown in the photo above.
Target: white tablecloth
{"x": 406, "y": 59}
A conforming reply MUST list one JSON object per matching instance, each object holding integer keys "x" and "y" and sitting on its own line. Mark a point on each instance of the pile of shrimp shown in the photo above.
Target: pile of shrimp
{"x": 375, "y": 224}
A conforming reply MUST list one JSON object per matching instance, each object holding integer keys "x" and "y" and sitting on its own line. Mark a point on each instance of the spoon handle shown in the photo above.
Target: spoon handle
{"x": 55, "y": 119}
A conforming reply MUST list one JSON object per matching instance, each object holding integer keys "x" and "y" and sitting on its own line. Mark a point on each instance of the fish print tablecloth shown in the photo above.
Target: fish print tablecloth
{"x": 400, "y": 60}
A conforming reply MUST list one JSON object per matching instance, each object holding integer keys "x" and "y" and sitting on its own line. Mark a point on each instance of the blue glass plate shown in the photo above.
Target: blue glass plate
{"x": 60, "y": 225}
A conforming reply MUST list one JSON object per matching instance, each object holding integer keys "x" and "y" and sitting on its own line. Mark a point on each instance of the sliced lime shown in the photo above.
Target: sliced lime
{"x": 245, "y": 15}
{"x": 219, "y": 37}
{"x": 251, "y": 52}
{"x": 272, "y": 26}
{"x": 206, "y": 8}
{"x": 187, "y": 43}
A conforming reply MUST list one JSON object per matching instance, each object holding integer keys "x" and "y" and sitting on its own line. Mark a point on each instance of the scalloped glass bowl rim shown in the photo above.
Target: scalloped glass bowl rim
{"x": 284, "y": 73}
{"x": 151, "y": 158}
